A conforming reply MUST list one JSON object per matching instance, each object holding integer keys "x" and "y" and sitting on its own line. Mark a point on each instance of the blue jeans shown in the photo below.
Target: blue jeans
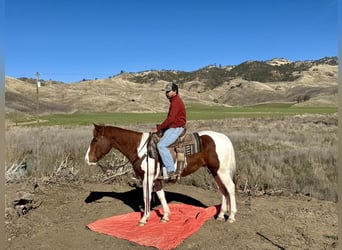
{"x": 169, "y": 137}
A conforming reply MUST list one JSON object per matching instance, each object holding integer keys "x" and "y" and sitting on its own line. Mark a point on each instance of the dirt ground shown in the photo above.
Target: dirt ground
{"x": 61, "y": 212}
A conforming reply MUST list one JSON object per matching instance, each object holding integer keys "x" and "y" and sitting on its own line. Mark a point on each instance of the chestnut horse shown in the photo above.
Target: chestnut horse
{"x": 217, "y": 155}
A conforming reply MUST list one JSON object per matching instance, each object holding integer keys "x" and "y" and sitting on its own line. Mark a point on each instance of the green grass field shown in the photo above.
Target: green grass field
{"x": 194, "y": 112}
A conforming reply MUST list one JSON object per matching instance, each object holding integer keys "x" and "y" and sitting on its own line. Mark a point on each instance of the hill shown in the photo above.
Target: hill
{"x": 249, "y": 83}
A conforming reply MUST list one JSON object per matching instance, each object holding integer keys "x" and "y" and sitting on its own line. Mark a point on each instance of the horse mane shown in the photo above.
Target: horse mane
{"x": 101, "y": 127}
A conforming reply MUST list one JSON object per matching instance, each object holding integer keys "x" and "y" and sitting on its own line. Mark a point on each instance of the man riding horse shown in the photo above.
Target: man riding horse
{"x": 172, "y": 127}
{"x": 213, "y": 151}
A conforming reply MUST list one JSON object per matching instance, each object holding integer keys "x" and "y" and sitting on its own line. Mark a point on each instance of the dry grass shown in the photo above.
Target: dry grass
{"x": 289, "y": 155}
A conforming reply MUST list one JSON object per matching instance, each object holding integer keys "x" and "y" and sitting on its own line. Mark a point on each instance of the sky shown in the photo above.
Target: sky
{"x": 71, "y": 40}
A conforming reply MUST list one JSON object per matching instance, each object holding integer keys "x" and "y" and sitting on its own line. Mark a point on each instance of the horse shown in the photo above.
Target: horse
{"x": 217, "y": 155}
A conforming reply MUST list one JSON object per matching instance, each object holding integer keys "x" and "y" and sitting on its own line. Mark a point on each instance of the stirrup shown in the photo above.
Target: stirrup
{"x": 171, "y": 177}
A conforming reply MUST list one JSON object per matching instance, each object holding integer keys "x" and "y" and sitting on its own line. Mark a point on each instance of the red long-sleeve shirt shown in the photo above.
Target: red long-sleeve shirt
{"x": 176, "y": 116}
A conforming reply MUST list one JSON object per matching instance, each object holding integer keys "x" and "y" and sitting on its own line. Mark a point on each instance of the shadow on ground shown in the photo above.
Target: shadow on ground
{"x": 134, "y": 198}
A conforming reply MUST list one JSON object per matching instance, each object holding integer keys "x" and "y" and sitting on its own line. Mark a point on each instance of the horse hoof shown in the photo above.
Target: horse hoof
{"x": 141, "y": 224}
{"x": 231, "y": 221}
{"x": 220, "y": 219}
{"x": 164, "y": 220}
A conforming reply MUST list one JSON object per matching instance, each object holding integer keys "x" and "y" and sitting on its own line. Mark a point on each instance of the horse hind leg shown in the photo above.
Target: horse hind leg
{"x": 227, "y": 188}
{"x": 222, "y": 189}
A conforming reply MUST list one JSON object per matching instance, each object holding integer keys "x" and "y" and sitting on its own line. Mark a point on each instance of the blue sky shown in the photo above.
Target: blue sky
{"x": 71, "y": 40}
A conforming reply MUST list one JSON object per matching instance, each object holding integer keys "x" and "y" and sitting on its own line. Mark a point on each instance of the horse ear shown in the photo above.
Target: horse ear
{"x": 97, "y": 128}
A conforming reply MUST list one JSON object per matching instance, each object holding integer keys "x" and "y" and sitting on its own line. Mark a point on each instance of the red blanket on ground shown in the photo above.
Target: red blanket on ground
{"x": 184, "y": 221}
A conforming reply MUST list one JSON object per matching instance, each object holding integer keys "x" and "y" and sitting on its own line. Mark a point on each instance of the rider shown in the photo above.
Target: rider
{"x": 172, "y": 128}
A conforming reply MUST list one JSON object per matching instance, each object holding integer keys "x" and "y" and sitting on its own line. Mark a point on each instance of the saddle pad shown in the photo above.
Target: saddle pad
{"x": 185, "y": 220}
{"x": 190, "y": 142}
{"x": 194, "y": 144}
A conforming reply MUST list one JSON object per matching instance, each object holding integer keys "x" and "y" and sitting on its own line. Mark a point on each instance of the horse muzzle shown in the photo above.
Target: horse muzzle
{"x": 90, "y": 163}
{"x": 87, "y": 160}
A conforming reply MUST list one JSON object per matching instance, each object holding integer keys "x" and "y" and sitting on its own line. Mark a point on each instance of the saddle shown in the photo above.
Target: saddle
{"x": 186, "y": 144}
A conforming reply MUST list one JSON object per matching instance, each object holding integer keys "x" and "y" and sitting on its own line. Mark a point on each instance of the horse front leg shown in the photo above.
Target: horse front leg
{"x": 147, "y": 191}
{"x": 161, "y": 195}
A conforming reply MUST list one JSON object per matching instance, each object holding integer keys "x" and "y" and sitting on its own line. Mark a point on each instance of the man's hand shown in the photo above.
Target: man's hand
{"x": 153, "y": 130}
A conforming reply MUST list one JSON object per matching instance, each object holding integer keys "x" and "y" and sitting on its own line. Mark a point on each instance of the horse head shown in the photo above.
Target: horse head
{"x": 99, "y": 146}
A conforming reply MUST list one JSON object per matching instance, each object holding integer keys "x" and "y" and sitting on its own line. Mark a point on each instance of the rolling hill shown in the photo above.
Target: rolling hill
{"x": 249, "y": 83}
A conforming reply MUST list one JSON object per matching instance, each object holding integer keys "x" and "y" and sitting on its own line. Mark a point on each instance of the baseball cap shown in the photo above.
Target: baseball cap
{"x": 171, "y": 86}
